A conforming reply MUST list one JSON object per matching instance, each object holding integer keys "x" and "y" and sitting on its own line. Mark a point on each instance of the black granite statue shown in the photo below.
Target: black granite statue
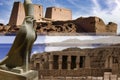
{"x": 22, "y": 46}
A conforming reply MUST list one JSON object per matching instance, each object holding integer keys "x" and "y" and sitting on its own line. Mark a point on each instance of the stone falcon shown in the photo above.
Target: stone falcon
{"x": 22, "y": 44}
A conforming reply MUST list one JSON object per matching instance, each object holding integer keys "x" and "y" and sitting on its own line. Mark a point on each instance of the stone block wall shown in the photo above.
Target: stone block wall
{"x": 38, "y": 12}
{"x": 111, "y": 27}
{"x": 55, "y": 13}
{"x": 18, "y": 13}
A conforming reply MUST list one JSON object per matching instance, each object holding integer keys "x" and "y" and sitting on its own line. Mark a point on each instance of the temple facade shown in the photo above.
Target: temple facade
{"x": 62, "y": 60}
{"x": 77, "y": 62}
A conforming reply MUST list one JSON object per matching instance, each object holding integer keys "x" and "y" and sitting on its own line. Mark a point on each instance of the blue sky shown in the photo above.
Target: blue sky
{"x": 108, "y": 10}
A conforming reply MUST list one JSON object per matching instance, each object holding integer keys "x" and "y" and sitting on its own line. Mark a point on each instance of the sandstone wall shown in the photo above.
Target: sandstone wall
{"x": 18, "y": 13}
{"x": 100, "y": 26}
{"x": 111, "y": 27}
{"x": 7, "y": 75}
{"x": 60, "y": 21}
{"x": 50, "y": 28}
{"x": 4, "y": 29}
{"x": 87, "y": 24}
{"x": 90, "y": 25}
{"x": 38, "y": 12}
{"x": 55, "y": 13}
{"x": 100, "y": 58}
{"x": 80, "y": 25}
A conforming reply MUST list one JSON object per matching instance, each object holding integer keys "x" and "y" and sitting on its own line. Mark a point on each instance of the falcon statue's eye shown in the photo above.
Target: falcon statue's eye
{"x": 29, "y": 21}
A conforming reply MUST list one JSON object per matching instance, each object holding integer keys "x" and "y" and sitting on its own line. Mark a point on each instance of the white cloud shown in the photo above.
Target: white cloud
{"x": 118, "y": 3}
{"x": 44, "y": 1}
{"x": 51, "y": 1}
{"x": 50, "y": 39}
{"x": 2, "y": 21}
{"x": 77, "y": 14}
{"x": 97, "y": 6}
{"x": 80, "y": 9}
{"x": 6, "y": 39}
{"x": 77, "y": 4}
{"x": 74, "y": 2}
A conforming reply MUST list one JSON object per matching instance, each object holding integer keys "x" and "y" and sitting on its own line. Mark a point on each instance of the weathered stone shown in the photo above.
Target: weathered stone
{"x": 89, "y": 77}
{"x": 4, "y": 29}
{"x": 94, "y": 78}
{"x": 50, "y": 28}
{"x": 107, "y": 75}
{"x": 18, "y": 13}
{"x": 118, "y": 78}
{"x": 69, "y": 78}
{"x": 7, "y": 75}
{"x": 99, "y": 78}
{"x": 64, "y": 63}
{"x": 56, "y": 13}
{"x": 80, "y": 25}
{"x": 111, "y": 27}
{"x": 113, "y": 77}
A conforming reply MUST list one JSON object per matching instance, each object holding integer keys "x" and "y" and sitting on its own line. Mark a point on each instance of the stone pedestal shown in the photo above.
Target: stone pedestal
{"x": 15, "y": 70}
{"x": 99, "y": 78}
{"x": 119, "y": 78}
{"x": 113, "y": 77}
{"x": 107, "y": 75}
{"x": 89, "y": 77}
{"x": 94, "y": 78}
{"x": 7, "y": 75}
{"x": 68, "y": 78}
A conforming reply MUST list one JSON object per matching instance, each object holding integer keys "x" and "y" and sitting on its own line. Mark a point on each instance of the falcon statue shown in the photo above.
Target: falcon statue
{"x": 23, "y": 42}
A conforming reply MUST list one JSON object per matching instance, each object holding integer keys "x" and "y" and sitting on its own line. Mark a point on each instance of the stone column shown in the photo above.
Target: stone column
{"x": 111, "y": 62}
{"x": 69, "y": 62}
{"x": 87, "y": 62}
{"x": 77, "y": 62}
{"x": 50, "y": 62}
{"x": 60, "y": 62}
{"x": 41, "y": 66}
{"x": 106, "y": 63}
